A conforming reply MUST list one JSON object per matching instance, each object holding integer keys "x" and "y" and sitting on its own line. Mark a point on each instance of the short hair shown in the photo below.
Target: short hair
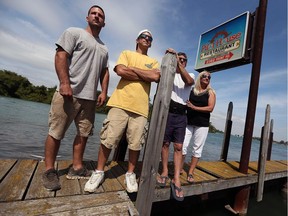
{"x": 97, "y": 6}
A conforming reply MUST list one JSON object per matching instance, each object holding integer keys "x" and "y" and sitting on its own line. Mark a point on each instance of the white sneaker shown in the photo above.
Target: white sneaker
{"x": 95, "y": 180}
{"x": 130, "y": 180}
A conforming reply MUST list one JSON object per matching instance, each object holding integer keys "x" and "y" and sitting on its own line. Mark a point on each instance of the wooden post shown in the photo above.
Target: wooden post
{"x": 260, "y": 19}
{"x": 242, "y": 200}
{"x": 242, "y": 196}
{"x": 227, "y": 133}
{"x": 261, "y": 141}
{"x": 155, "y": 137}
{"x": 269, "y": 152}
{"x": 263, "y": 156}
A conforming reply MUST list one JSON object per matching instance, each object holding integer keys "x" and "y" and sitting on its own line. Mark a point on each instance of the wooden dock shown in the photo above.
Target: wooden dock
{"x": 22, "y": 193}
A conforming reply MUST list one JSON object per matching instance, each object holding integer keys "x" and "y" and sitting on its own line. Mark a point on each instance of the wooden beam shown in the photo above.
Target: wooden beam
{"x": 156, "y": 135}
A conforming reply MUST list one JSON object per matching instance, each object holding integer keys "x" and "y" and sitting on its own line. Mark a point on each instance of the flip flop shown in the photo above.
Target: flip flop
{"x": 189, "y": 177}
{"x": 173, "y": 189}
{"x": 162, "y": 184}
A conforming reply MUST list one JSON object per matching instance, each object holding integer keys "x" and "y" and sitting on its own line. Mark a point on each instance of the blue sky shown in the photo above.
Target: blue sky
{"x": 29, "y": 29}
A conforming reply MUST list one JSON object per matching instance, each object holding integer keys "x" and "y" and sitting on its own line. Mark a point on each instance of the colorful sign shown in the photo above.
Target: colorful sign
{"x": 223, "y": 44}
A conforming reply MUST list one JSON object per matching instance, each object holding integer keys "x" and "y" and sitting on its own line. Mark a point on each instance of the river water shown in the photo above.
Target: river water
{"x": 24, "y": 126}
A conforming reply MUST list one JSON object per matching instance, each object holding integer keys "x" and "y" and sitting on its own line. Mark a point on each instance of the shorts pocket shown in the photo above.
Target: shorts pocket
{"x": 144, "y": 136}
{"x": 103, "y": 131}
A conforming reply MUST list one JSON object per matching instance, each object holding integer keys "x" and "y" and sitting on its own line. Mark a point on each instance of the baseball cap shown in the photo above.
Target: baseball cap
{"x": 144, "y": 30}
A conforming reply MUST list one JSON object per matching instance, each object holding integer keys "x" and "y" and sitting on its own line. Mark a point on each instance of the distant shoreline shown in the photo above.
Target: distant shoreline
{"x": 259, "y": 139}
{"x": 19, "y": 87}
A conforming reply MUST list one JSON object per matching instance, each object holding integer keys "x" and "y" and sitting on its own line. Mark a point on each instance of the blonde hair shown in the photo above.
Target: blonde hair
{"x": 197, "y": 86}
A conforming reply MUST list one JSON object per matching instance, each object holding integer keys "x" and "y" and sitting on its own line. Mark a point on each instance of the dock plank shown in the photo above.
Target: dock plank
{"x": 275, "y": 166}
{"x": 15, "y": 183}
{"x": 22, "y": 186}
{"x": 283, "y": 162}
{"x": 118, "y": 172}
{"x": 106, "y": 202}
{"x": 199, "y": 175}
{"x": 236, "y": 165}
{"x": 36, "y": 189}
{"x": 123, "y": 209}
{"x": 5, "y": 166}
{"x": 68, "y": 186}
{"x": 220, "y": 169}
{"x": 111, "y": 183}
{"x": 271, "y": 166}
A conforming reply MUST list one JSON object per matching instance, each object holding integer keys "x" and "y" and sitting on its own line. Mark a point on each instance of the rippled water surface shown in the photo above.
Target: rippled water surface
{"x": 24, "y": 130}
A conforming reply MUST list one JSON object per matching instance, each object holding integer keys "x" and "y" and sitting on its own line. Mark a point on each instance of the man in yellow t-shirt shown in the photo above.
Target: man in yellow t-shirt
{"x": 129, "y": 109}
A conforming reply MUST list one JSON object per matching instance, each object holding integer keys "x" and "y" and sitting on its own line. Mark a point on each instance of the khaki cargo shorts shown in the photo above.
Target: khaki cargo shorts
{"x": 63, "y": 111}
{"x": 114, "y": 127}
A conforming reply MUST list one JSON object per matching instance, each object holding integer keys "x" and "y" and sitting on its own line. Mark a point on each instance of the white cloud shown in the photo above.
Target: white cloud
{"x": 28, "y": 36}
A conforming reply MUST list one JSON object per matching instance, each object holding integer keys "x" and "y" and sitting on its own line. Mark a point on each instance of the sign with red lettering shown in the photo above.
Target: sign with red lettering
{"x": 224, "y": 46}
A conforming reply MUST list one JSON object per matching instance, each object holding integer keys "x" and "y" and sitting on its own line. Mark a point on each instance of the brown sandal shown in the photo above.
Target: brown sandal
{"x": 190, "y": 176}
{"x": 161, "y": 183}
{"x": 173, "y": 189}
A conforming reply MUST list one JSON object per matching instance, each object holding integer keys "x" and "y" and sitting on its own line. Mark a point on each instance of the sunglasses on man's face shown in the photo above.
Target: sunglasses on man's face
{"x": 149, "y": 38}
{"x": 206, "y": 76}
{"x": 183, "y": 59}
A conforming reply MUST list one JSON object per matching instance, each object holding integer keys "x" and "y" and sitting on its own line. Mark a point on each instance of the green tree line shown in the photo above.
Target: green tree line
{"x": 16, "y": 86}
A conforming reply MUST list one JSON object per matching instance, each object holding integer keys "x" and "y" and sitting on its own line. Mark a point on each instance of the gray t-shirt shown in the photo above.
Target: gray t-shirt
{"x": 88, "y": 58}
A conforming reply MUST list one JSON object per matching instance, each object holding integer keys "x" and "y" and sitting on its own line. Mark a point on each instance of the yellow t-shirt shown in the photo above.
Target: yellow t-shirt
{"x": 129, "y": 95}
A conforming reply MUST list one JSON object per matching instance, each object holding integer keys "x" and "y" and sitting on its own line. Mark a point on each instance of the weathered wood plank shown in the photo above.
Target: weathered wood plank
{"x": 199, "y": 175}
{"x": 204, "y": 182}
{"x": 111, "y": 183}
{"x": 236, "y": 165}
{"x": 118, "y": 172}
{"x": 5, "y": 166}
{"x": 123, "y": 209}
{"x": 220, "y": 169}
{"x": 271, "y": 166}
{"x": 205, "y": 187}
{"x": 16, "y": 182}
{"x": 36, "y": 189}
{"x": 138, "y": 167}
{"x": 155, "y": 135}
{"x": 283, "y": 162}
{"x": 68, "y": 186}
{"x": 70, "y": 204}
{"x": 275, "y": 166}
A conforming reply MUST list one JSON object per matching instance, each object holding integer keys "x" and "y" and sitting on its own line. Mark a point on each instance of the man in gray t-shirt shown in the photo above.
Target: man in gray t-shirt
{"x": 81, "y": 60}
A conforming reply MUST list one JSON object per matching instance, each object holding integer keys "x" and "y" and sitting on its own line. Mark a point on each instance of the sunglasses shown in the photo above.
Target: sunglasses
{"x": 149, "y": 38}
{"x": 206, "y": 76}
{"x": 183, "y": 59}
